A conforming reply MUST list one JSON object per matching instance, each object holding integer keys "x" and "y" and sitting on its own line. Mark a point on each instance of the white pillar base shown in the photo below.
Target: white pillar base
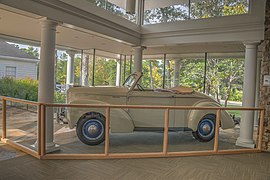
{"x": 245, "y": 143}
{"x": 50, "y": 147}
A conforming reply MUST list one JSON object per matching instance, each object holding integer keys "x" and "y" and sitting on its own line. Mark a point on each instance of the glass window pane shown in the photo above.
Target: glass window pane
{"x": 212, "y": 8}
{"x": 11, "y": 71}
{"x": 114, "y": 6}
{"x": 166, "y": 11}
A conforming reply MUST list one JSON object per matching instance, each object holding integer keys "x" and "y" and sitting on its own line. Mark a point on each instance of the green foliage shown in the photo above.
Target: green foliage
{"x": 105, "y": 71}
{"x": 197, "y": 10}
{"x": 23, "y": 88}
{"x": 61, "y": 71}
{"x": 31, "y": 51}
{"x": 166, "y": 14}
{"x": 213, "y": 8}
{"x": 236, "y": 95}
{"x": 206, "y": 9}
{"x": 224, "y": 77}
{"x": 191, "y": 73}
{"x": 157, "y": 73}
{"x": 77, "y": 70}
{"x": 59, "y": 97}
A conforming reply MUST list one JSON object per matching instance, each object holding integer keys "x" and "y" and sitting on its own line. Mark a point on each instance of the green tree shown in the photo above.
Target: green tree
{"x": 192, "y": 73}
{"x": 166, "y": 14}
{"x": 31, "y": 51}
{"x": 224, "y": 77}
{"x": 61, "y": 69}
{"x": 212, "y": 8}
{"x": 231, "y": 75}
{"x": 154, "y": 81}
{"x": 105, "y": 71}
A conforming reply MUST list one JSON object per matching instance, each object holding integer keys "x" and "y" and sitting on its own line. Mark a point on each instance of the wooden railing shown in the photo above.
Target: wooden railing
{"x": 41, "y": 139}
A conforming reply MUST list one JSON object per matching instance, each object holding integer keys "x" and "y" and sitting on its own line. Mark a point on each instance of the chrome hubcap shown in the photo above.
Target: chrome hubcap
{"x": 206, "y": 128}
{"x": 93, "y": 129}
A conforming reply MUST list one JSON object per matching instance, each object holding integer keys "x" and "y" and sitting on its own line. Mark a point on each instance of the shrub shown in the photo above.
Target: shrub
{"x": 23, "y": 88}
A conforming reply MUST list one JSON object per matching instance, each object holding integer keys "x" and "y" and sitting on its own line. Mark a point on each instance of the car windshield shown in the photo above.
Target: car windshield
{"x": 130, "y": 80}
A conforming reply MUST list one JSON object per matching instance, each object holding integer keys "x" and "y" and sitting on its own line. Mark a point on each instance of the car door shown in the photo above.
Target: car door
{"x": 150, "y": 118}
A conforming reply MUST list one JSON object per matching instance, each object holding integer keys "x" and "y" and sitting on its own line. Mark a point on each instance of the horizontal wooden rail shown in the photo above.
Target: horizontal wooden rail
{"x": 146, "y": 155}
{"x": 20, "y": 101}
{"x": 237, "y": 151}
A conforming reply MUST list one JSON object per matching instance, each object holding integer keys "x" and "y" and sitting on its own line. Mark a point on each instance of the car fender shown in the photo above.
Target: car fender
{"x": 120, "y": 121}
{"x": 194, "y": 116}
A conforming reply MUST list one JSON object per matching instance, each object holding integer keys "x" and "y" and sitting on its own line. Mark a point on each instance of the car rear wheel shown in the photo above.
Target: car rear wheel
{"x": 206, "y": 128}
{"x": 91, "y": 129}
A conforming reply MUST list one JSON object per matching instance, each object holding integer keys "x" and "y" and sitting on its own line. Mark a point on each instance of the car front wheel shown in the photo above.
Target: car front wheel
{"x": 206, "y": 128}
{"x": 91, "y": 129}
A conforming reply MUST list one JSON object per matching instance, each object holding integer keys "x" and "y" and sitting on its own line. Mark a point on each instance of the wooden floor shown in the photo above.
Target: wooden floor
{"x": 254, "y": 166}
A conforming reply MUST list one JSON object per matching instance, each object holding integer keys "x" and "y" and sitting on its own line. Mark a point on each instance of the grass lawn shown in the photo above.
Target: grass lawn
{"x": 237, "y": 113}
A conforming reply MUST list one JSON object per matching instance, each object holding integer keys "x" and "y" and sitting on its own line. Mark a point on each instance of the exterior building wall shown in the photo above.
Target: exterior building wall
{"x": 265, "y": 90}
{"x": 24, "y": 69}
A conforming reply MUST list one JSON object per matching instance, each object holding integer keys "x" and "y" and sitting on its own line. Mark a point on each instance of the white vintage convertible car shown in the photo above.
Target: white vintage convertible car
{"x": 90, "y": 123}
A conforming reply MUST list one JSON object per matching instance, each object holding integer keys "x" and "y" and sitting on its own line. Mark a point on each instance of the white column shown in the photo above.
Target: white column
{"x": 176, "y": 72}
{"x": 85, "y": 70}
{"x": 140, "y": 12}
{"x": 70, "y": 69}
{"x": 257, "y": 98}
{"x": 118, "y": 73}
{"x": 46, "y": 77}
{"x": 138, "y": 55}
{"x": 249, "y": 89}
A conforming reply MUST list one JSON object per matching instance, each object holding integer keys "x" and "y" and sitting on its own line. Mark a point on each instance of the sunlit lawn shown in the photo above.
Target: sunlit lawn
{"x": 237, "y": 113}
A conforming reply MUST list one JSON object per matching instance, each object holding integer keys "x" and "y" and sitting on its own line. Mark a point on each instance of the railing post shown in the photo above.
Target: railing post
{"x": 39, "y": 129}
{"x": 217, "y": 131}
{"x": 166, "y": 130}
{"x": 261, "y": 129}
{"x": 43, "y": 131}
{"x": 4, "y": 118}
{"x": 107, "y": 128}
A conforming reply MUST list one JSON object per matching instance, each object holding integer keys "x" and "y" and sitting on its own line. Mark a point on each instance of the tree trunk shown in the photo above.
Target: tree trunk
{"x": 228, "y": 92}
{"x": 217, "y": 95}
{"x": 168, "y": 74}
{"x": 85, "y": 73}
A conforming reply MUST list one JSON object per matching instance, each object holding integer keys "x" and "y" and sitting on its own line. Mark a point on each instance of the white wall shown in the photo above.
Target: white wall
{"x": 23, "y": 68}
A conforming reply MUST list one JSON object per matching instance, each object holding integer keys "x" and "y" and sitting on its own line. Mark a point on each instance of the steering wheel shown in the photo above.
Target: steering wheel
{"x": 140, "y": 87}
